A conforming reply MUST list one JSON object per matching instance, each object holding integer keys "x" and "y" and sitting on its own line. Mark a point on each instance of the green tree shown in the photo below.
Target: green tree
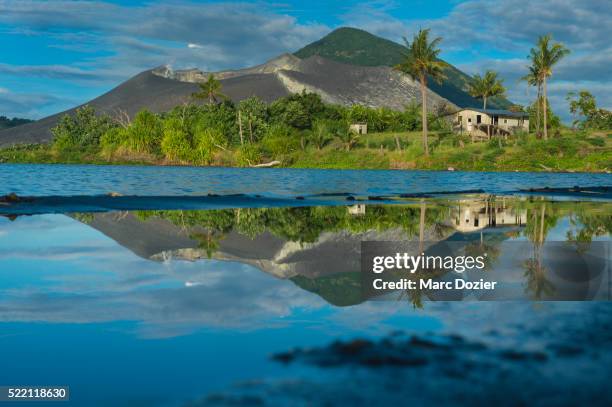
{"x": 546, "y": 54}
{"x": 484, "y": 87}
{"x": 320, "y": 134}
{"x": 348, "y": 137}
{"x": 83, "y": 129}
{"x": 421, "y": 62}
{"x": 584, "y": 105}
{"x": 254, "y": 116}
{"x": 210, "y": 90}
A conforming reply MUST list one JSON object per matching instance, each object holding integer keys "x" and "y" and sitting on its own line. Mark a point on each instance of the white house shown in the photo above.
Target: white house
{"x": 489, "y": 122}
{"x": 359, "y": 128}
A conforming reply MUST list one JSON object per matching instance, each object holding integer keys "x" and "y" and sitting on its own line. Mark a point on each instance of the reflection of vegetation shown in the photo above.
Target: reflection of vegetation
{"x": 304, "y": 224}
{"x": 588, "y": 223}
{"x": 85, "y": 218}
{"x": 338, "y": 289}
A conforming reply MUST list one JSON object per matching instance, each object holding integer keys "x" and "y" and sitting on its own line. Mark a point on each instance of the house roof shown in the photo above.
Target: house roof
{"x": 496, "y": 112}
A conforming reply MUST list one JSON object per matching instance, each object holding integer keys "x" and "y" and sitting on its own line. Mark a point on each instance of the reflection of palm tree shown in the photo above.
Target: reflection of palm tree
{"x": 490, "y": 252}
{"x": 422, "y": 226}
{"x": 208, "y": 241}
{"x": 535, "y": 273}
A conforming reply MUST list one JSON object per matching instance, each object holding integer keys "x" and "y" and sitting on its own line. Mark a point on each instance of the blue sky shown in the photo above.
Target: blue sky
{"x": 57, "y": 54}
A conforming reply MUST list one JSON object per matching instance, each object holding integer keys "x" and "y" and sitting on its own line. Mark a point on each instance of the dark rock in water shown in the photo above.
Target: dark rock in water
{"x": 350, "y": 198}
{"x": 565, "y": 350}
{"x": 299, "y": 198}
{"x": 511, "y": 354}
{"x": 13, "y": 198}
{"x": 395, "y": 350}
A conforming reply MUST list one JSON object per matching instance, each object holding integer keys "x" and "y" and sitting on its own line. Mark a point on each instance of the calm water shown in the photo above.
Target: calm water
{"x": 162, "y": 308}
{"x": 39, "y": 180}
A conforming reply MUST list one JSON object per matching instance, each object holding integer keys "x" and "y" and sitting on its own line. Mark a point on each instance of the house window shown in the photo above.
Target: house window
{"x": 505, "y": 120}
{"x": 478, "y": 119}
{"x": 469, "y": 120}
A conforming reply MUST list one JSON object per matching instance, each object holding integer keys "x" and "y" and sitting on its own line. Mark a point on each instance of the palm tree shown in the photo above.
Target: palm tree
{"x": 210, "y": 89}
{"x": 420, "y": 62}
{"x": 486, "y": 86}
{"x": 533, "y": 78}
{"x": 547, "y": 54}
{"x": 320, "y": 134}
{"x": 348, "y": 137}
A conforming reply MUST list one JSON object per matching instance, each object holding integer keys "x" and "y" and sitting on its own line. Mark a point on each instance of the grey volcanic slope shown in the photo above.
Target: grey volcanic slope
{"x": 150, "y": 91}
{"x": 345, "y": 84}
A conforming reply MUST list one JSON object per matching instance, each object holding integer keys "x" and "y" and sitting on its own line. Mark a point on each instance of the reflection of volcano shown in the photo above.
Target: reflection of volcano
{"x": 328, "y": 264}
{"x": 319, "y": 248}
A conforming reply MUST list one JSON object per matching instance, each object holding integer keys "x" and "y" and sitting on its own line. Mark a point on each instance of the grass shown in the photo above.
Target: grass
{"x": 566, "y": 151}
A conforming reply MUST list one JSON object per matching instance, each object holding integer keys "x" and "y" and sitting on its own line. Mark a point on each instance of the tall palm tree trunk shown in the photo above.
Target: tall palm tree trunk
{"x": 484, "y": 107}
{"x": 538, "y": 102}
{"x": 424, "y": 114}
{"x": 542, "y": 224}
{"x": 544, "y": 109}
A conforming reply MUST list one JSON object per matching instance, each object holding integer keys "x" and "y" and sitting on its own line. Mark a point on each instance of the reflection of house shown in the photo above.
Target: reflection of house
{"x": 469, "y": 216}
{"x": 490, "y": 122}
{"x": 359, "y": 128}
{"x": 358, "y": 209}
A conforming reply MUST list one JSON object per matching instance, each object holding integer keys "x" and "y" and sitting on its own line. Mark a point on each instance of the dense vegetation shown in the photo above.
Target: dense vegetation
{"x": 224, "y": 133}
{"x": 302, "y": 131}
{"x": 5, "y": 122}
{"x": 358, "y": 47}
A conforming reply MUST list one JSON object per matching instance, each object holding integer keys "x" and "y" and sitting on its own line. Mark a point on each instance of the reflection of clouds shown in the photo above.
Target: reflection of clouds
{"x": 97, "y": 280}
{"x": 243, "y": 298}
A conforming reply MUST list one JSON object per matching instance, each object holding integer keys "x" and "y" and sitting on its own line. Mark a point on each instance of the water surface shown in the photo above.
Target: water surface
{"x": 58, "y": 179}
{"x": 164, "y": 308}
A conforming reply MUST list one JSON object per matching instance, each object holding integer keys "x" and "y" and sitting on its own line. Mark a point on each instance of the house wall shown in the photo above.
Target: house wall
{"x": 359, "y": 128}
{"x": 469, "y": 120}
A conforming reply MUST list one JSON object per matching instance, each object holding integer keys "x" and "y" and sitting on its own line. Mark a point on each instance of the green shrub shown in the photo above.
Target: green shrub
{"x": 280, "y": 139}
{"x": 145, "y": 133}
{"x": 247, "y": 155}
{"x": 596, "y": 141}
{"x": 112, "y": 139}
{"x": 175, "y": 143}
{"x": 206, "y": 143}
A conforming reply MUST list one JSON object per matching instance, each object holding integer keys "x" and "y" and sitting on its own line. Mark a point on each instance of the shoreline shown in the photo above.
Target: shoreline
{"x": 178, "y": 165}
